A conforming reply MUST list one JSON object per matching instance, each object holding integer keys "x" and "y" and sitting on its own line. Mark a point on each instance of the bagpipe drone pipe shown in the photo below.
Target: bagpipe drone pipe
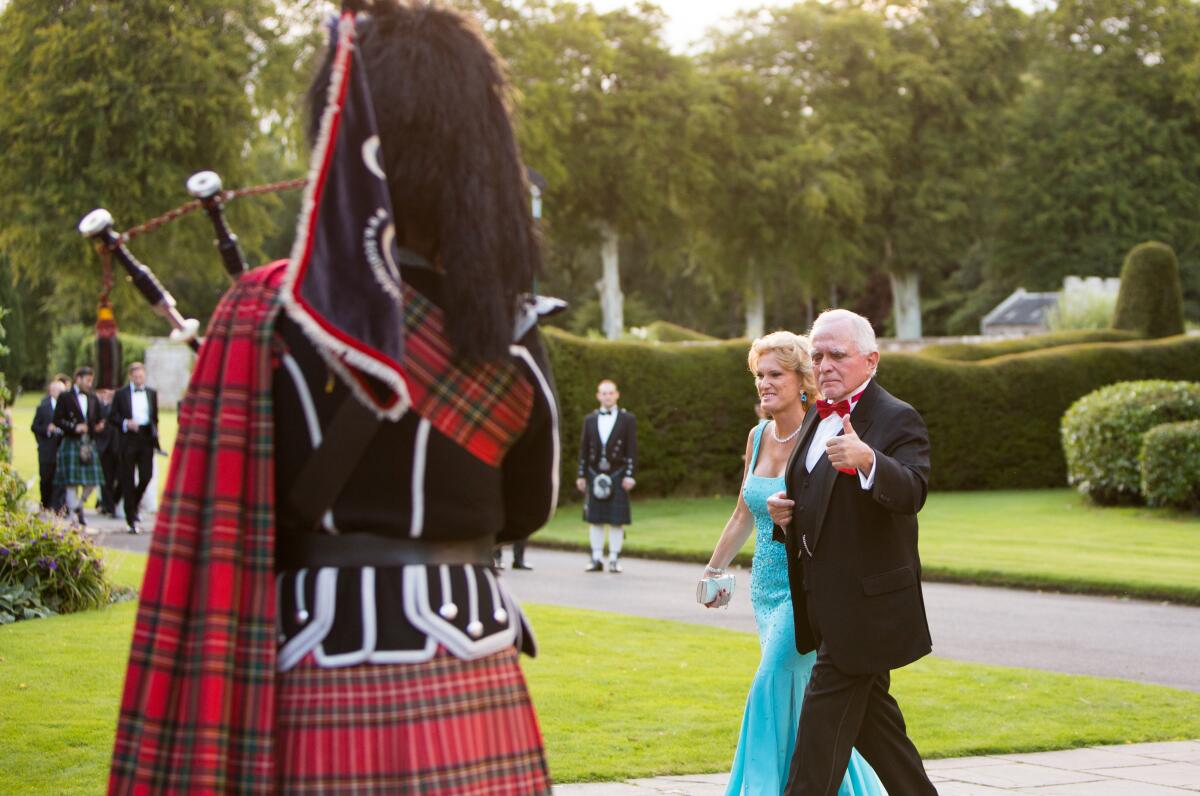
{"x": 98, "y": 226}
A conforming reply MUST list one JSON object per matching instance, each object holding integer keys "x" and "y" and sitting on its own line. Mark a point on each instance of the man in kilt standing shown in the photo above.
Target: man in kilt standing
{"x": 77, "y": 413}
{"x": 607, "y": 457}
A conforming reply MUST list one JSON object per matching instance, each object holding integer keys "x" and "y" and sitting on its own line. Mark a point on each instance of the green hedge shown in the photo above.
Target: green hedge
{"x": 1151, "y": 297}
{"x": 993, "y": 424}
{"x": 1102, "y": 434}
{"x": 973, "y": 352}
{"x": 1170, "y": 465}
{"x": 667, "y": 332}
{"x": 694, "y": 405}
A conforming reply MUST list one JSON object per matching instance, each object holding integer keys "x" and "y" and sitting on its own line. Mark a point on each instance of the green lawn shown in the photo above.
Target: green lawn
{"x": 618, "y": 697}
{"x": 1036, "y": 538}
{"x": 25, "y": 447}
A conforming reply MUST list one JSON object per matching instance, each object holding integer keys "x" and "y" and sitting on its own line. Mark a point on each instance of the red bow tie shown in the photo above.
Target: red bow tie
{"x": 842, "y": 407}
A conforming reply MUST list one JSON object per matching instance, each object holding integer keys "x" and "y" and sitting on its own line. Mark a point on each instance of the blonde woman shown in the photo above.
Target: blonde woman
{"x": 787, "y": 389}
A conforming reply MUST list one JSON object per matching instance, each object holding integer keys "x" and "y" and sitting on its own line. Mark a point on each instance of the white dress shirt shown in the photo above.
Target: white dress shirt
{"x": 141, "y": 406}
{"x": 605, "y": 423}
{"x": 829, "y": 428}
{"x": 83, "y": 402}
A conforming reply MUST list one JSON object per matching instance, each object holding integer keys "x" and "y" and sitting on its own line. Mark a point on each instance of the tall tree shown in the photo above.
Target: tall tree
{"x": 605, "y": 111}
{"x": 114, "y": 104}
{"x": 1107, "y": 147}
{"x": 949, "y": 71}
{"x": 787, "y": 187}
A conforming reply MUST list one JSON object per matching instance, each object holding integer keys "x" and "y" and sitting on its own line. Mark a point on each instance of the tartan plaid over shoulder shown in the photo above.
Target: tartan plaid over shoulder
{"x": 198, "y": 709}
{"x": 482, "y": 406}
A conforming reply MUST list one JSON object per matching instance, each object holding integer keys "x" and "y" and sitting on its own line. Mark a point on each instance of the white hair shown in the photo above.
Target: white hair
{"x": 861, "y": 330}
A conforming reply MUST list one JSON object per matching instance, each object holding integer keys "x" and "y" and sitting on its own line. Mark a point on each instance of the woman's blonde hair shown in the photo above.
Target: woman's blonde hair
{"x": 794, "y": 353}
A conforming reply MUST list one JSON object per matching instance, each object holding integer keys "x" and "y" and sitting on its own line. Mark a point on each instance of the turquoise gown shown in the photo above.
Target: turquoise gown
{"x": 764, "y": 751}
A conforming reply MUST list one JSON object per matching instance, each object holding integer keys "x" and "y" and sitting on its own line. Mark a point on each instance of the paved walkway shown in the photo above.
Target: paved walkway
{"x": 1152, "y": 769}
{"x": 1139, "y": 640}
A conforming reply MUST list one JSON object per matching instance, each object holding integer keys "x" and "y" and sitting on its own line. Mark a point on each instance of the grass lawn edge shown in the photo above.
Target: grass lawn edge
{"x": 936, "y": 574}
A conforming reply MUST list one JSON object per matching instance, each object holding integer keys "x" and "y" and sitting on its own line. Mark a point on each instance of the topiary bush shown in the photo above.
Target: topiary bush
{"x": 1151, "y": 297}
{"x": 46, "y": 567}
{"x": 993, "y": 424}
{"x": 973, "y": 352}
{"x": 1170, "y": 465}
{"x": 1102, "y": 434}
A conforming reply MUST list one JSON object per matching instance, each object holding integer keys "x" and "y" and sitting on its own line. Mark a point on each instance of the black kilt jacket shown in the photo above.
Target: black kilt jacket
{"x": 621, "y": 452}
{"x": 68, "y": 413}
{"x": 853, "y": 565}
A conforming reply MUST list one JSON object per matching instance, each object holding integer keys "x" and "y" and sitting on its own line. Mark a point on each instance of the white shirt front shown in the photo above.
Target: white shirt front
{"x": 141, "y": 406}
{"x": 605, "y": 423}
{"x": 829, "y": 428}
{"x": 83, "y": 402}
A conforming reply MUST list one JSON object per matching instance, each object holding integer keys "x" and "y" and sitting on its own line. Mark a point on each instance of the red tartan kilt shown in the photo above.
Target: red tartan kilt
{"x": 447, "y": 727}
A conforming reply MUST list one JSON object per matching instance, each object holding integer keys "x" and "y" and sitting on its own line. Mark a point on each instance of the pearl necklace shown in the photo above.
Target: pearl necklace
{"x": 786, "y": 439}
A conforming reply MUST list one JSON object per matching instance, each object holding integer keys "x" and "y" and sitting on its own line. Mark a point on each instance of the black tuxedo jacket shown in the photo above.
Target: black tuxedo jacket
{"x": 68, "y": 413}
{"x": 853, "y": 566}
{"x": 621, "y": 448}
{"x": 122, "y": 409}
{"x": 43, "y": 416}
{"x": 109, "y": 438}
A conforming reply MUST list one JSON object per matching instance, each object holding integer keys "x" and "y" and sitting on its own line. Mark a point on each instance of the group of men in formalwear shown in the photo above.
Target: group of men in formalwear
{"x": 121, "y": 429}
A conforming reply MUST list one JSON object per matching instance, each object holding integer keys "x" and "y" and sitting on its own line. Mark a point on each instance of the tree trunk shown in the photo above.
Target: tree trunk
{"x": 756, "y": 305}
{"x": 906, "y": 305}
{"x": 612, "y": 303}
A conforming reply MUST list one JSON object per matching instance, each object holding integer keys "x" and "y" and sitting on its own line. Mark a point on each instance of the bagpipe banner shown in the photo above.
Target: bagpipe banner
{"x": 342, "y": 284}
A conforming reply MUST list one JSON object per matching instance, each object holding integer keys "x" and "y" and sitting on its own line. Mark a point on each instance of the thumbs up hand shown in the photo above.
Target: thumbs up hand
{"x": 847, "y": 452}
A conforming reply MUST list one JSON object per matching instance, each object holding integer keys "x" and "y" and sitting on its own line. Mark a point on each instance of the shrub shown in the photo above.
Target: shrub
{"x": 1102, "y": 434}
{"x": 75, "y": 345}
{"x": 1151, "y": 297}
{"x": 1170, "y": 465}
{"x": 46, "y": 567}
{"x": 993, "y": 424}
{"x": 1091, "y": 310}
{"x": 12, "y": 489}
{"x": 973, "y": 352}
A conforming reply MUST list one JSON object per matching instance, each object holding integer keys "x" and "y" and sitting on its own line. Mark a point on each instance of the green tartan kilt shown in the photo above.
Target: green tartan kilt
{"x": 69, "y": 470}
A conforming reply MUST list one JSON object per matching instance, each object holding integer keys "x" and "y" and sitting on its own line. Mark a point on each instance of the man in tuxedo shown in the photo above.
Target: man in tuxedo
{"x": 135, "y": 413}
{"x": 855, "y": 483}
{"x": 108, "y": 448}
{"x": 48, "y": 437}
{"x": 607, "y": 457}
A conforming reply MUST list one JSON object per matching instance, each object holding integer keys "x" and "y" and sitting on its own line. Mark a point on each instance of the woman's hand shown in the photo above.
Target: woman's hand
{"x": 581, "y": 484}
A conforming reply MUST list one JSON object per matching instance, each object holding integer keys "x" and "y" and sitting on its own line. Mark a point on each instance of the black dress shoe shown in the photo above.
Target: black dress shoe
{"x": 135, "y": 527}
{"x": 595, "y": 566}
{"x": 521, "y": 565}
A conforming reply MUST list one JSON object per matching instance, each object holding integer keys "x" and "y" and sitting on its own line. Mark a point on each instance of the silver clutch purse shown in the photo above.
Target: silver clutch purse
{"x": 709, "y": 589}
